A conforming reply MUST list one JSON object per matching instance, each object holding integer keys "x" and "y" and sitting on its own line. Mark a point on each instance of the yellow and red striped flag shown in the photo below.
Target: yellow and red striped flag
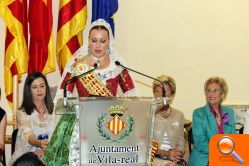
{"x": 41, "y": 49}
{"x": 14, "y": 13}
{"x": 71, "y": 22}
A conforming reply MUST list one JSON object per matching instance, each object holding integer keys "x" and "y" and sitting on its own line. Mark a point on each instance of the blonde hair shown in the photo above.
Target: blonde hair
{"x": 165, "y": 80}
{"x": 221, "y": 82}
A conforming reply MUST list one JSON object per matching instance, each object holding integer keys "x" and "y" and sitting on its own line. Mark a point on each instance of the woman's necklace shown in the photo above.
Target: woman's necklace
{"x": 218, "y": 118}
{"x": 42, "y": 110}
{"x": 98, "y": 60}
{"x": 41, "y": 113}
{"x": 165, "y": 112}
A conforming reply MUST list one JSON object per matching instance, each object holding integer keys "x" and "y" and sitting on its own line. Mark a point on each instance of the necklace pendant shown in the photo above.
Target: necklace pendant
{"x": 98, "y": 62}
{"x": 41, "y": 125}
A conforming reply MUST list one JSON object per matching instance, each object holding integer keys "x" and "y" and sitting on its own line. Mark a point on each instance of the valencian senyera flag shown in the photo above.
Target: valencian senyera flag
{"x": 71, "y": 22}
{"x": 14, "y": 14}
{"x": 41, "y": 49}
{"x": 104, "y": 9}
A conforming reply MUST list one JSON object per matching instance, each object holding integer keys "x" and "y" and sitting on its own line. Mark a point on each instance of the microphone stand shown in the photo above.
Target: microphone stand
{"x": 164, "y": 91}
{"x": 74, "y": 79}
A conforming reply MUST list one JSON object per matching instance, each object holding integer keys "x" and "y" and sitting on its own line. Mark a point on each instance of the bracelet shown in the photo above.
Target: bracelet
{"x": 161, "y": 156}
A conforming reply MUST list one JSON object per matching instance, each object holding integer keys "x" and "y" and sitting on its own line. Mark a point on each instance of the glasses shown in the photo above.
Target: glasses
{"x": 214, "y": 91}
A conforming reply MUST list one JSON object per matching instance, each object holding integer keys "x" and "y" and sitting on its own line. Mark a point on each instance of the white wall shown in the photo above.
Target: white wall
{"x": 187, "y": 39}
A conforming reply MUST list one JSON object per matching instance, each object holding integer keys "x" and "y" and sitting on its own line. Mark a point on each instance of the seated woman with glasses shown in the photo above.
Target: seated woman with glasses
{"x": 213, "y": 118}
{"x": 169, "y": 126}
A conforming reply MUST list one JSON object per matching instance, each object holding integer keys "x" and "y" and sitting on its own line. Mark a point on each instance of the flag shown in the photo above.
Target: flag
{"x": 104, "y": 9}
{"x": 41, "y": 49}
{"x": 71, "y": 22}
{"x": 14, "y": 13}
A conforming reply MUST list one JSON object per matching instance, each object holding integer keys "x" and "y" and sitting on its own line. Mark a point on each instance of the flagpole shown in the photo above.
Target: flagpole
{"x": 15, "y": 100}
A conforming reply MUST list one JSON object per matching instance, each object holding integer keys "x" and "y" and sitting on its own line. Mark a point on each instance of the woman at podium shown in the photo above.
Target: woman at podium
{"x": 100, "y": 76}
{"x": 97, "y": 52}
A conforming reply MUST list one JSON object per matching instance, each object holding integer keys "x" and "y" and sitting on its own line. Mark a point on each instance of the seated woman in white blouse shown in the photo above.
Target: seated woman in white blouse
{"x": 34, "y": 117}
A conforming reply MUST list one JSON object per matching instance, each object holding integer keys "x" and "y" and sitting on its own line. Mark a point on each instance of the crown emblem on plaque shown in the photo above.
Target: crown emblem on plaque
{"x": 116, "y": 110}
{"x": 117, "y": 125}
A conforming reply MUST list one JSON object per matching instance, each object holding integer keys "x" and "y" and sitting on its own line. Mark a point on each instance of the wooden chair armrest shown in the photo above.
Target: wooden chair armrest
{"x": 8, "y": 139}
{"x": 11, "y": 123}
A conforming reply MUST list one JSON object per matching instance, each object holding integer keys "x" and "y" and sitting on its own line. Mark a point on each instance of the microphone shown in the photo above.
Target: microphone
{"x": 74, "y": 79}
{"x": 164, "y": 91}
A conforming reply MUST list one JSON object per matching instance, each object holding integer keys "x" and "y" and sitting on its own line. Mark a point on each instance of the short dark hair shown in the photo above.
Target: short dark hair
{"x": 28, "y": 159}
{"x": 28, "y": 103}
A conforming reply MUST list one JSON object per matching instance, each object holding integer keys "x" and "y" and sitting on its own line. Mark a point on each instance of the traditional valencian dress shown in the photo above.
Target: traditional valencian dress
{"x": 100, "y": 82}
{"x": 64, "y": 148}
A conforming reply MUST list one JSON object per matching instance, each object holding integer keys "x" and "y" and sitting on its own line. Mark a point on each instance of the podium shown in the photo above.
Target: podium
{"x": 111, "y": 131}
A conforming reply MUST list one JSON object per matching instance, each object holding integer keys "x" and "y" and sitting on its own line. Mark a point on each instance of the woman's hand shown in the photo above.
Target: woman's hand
{"x": 43, "y": 143}
{"x": 175, "y": 155}
{"x": 39, "y": 152}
